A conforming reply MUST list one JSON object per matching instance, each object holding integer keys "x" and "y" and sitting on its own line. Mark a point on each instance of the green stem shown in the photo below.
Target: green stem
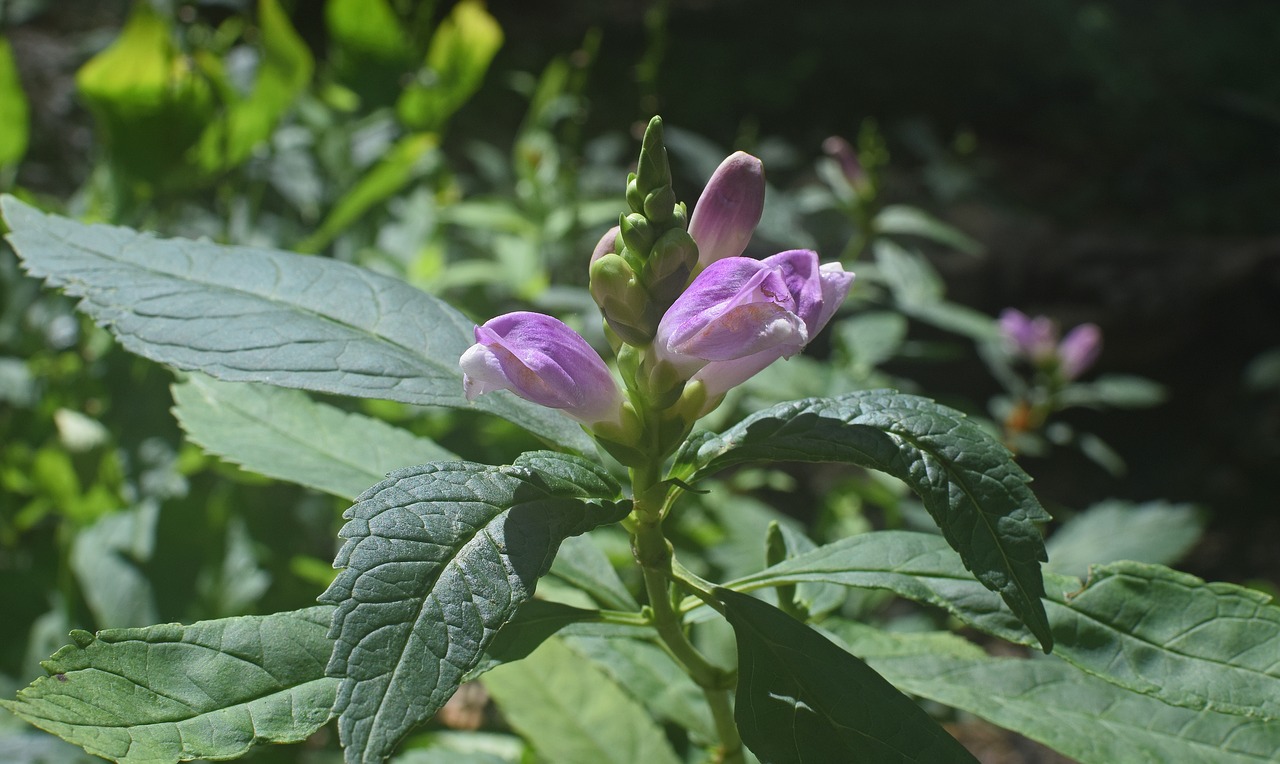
{"x": 653, "y": 552}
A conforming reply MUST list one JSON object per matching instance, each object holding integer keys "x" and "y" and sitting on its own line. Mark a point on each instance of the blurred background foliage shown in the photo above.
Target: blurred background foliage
{"x": 1106, "y": 162}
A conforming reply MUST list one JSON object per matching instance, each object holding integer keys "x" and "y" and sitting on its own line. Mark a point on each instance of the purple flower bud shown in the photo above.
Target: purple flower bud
{"x": 839, "y": 149}
{"x": 740, "y": 315}
{"x": 608, "y": 244}
{"x": 728, "y": 209}
{"x": 1078, "y": 350}
{"x": 1033, "y": 338}
{"x": 541, "y": 359}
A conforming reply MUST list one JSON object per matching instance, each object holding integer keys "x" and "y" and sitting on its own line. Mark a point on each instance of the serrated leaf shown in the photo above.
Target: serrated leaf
{"x": 1082, "y": 716}
{"x": 970, "y": 484}
{"x": 257, "y": 315}
{"x": 1143, "y": 627}
{"x": 285, "y": 434}
{"x": 173, "y": 693}
{"x": 437, "y": 558}
{"x": 802, "y": 699}
{"x": 572, "y": 713}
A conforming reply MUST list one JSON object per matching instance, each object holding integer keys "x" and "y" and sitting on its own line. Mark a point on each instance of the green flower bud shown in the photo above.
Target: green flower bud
{"x": 659, "y": 204}
{"x": 671, "y": 262}
{"x": 622, "y": 299}
{"x": 635, "y": 196}
{"x": 637, "y": 234}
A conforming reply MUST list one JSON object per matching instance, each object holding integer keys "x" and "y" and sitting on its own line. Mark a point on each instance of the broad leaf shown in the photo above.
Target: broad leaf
{"x": 257, "y": 315}
{"x": 284, "y": 434}
{"x": 901, "y": 219}
{"x": 572, "y": 713}
{"x": 107, "y": 559}
{"x": 969, "y": 482}
{"x": 459, "y": 55}
{"x": 801, "y": 698}
{"x": 1143, "y": 627}
{"x": 1080, "y": 715}
{"x": 172, "y": 693}
{"x": 437, "y": 558}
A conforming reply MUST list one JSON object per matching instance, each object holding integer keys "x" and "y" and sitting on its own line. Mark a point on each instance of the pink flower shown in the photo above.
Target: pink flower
{"x": 1079, "y": 349}
{"x": 541, "y": 359}
{"x": 740, "y": 315}
{"x": 1036, "y": 339}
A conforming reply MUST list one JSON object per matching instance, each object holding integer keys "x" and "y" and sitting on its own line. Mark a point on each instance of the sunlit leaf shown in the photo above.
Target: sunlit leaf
{"x": 13, "y": 109}
{"x": 285, "y": 434}
{"x": 438, "y": 558}
{"x": 970, "y": 484}
{"x": 257, "y": 315}
{"x": 1156, "y": 531}
{"x": 572, "y": 713}
{"x": 460, "y": 53}
{"x": 170, "y": 693}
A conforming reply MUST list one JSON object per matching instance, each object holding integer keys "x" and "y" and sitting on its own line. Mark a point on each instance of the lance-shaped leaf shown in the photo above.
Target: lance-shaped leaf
{"x": 258, "y": 315}
{"x": 804, "y": 700}
{"x": 437, "y": 558}
{"x": 285, "y": 434}
{"x": 172, "y": 693}
{"x": 969, "y": 482}
{"x": 1143, "y": 627}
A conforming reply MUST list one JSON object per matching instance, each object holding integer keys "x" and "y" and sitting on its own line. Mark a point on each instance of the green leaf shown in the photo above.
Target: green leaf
{"x": 901, "y": 219}
{"x": 1079, "y": 715}
{"x": 1115, "y": 390}
{"x": 582, "y": 564}
{"x": 284, "y": 71}
{"x": 284, "y": 434}
{"x": 648, "y": 674}
{"x": 403, "y": 163}
{"x": 801, "y": 698}
{"x": 1143, "y": 627}
{"x": 970, "y": 484}
{"x": 461, "y": 50}
{"x": 572, "y": 713}
{"x": 169, "y": 693}
{"x": 437, "y": 558}
{"x": 257, "y": 315}
{"x": 1154, "y": 531}
{"x": 107, "y": 559}
{"x": 1170, "y": 634}
{"x": 149, "y": 100}
{"x": 13, "y": 110}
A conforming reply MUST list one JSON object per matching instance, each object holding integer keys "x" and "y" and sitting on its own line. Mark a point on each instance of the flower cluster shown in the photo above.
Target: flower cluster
{"x": 1036, "y": 340}
{"x": 688, "y": 315}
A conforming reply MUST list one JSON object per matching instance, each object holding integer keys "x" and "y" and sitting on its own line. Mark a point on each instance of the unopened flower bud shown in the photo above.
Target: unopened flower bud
{"x": 637, "y": 234}
{"x": 1035, "y": 339}
{"x": 671, "y": 262}
{"x": 729, "y": 209}
{"x": 608, "y": 244}
{"x": 623, "y": 301}
{"x": 542, "y": 360}
{"x": 1078, "y": 350}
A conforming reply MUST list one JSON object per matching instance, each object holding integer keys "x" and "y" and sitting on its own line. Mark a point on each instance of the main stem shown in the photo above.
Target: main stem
{"x": 653, "y": 552}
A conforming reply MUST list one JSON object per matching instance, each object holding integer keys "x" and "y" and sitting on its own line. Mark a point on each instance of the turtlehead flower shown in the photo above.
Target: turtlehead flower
{"x": 1036, "y": 339}
{"x": 728, "y": 209}
{"x": 541, "y": 359}
{"x": 740, "y": 315}
{"x": 1033, "y": 338}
